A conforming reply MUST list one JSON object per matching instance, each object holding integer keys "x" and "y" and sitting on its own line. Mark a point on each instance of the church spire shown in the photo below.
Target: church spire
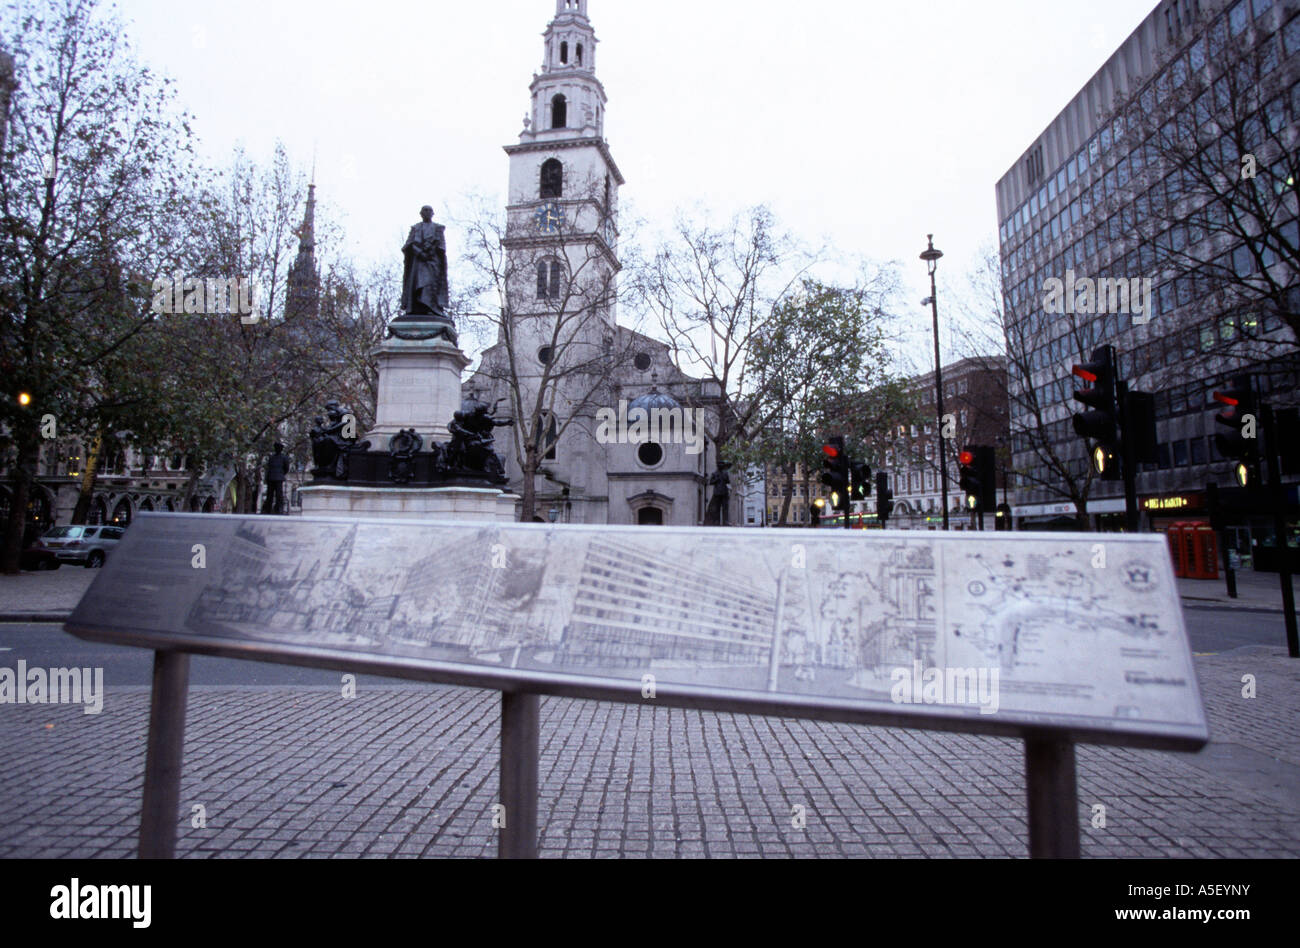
{"x": 568, "y": 100}
{"x": 304, "y": 280}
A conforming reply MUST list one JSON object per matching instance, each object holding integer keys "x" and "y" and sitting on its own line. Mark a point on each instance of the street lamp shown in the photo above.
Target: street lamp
{"x": 931, "y": 257}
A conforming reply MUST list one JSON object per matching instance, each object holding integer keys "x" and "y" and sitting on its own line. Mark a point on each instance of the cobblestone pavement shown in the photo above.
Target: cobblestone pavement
{"x": 411, "y": 771}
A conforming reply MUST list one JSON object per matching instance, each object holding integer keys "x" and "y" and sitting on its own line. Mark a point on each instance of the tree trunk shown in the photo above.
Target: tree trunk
{"x": 788, "y": 496}
{"x": 82, "y": 511}
{"x": 29, "y": 453}
{"x": 191, "y": 486}
{"x": 528, "y": 496}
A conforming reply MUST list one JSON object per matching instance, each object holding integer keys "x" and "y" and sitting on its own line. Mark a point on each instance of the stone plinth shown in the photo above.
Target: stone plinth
{"x": 466, "y": 504}
{"x": 419, "y": 387}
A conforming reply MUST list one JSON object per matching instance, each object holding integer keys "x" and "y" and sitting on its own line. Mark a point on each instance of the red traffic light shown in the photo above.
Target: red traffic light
{"x": 830, "y": 450}
{"x": 1225, "y": 398}
{"x": 1084, "y": 373}
{"x": 966, "y": 458}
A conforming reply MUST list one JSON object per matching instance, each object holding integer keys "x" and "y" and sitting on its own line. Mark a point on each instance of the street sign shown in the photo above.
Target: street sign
{"x": 752, "y": 618}
{"x": 1055, "y": 639}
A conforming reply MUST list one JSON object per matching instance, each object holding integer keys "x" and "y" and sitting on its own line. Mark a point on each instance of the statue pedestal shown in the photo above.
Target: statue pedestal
{"x": 419, "y": 387}
{"x": 465, "y": 504}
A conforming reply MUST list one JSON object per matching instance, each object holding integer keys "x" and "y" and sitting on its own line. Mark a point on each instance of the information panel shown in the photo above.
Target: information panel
{"x": 1067, "y": 631}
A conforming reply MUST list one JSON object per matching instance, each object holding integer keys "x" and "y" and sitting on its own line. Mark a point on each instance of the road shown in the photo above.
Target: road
{"x": 1212, "y": 629}
{"x": 48, "y": 646}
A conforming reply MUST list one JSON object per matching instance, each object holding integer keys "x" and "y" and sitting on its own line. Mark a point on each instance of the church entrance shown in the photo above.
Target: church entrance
{"x": 650, "y": 517}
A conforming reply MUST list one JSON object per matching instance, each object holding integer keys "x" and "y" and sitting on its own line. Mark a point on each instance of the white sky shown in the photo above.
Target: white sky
{"x": 868, "y": 124}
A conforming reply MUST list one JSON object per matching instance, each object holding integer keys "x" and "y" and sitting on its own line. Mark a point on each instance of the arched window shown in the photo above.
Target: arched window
{"x": 547, "y": 436}
{"x": 564, "y": 52}
{"x": 552, "y": 178}
{"x": 579, "y": 52}
{"x": 548, "y": 279}
{"x": 559, "y": 112}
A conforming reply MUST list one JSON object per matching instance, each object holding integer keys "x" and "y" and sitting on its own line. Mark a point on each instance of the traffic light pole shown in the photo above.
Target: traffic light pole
{"x": 1279, "y": 528}
{"x": 1128, "y": 452}
{"x": 1221, "y": 530}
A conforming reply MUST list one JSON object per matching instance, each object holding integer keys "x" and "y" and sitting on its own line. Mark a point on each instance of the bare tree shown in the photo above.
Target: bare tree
{"x": 1206, "y": 203}
{"x": 713, "y": 292}
{"x": 549, "y": 279}
{"x": 1043, "y": 453}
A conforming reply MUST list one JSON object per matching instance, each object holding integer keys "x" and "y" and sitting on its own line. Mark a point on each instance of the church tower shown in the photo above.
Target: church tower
{"x": 562, "y": 230}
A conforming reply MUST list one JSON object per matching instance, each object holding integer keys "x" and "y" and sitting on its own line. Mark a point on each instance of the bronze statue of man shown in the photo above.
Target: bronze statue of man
{"x": 424, "y": 275}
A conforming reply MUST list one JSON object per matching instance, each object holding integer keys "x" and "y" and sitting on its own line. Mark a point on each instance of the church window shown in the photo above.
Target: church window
{"x": 548, "y": 280}
{"x": 579, "y": 53}
{"x": 650, "y": 454}
{"x": 547, "y": 436}
{"x": 552, "y": 178}
{"x": 545, "y": 354}
{"x": 564, "y": 52}
{"x": 559, "y": 112}
{"x": 643, "y": 361}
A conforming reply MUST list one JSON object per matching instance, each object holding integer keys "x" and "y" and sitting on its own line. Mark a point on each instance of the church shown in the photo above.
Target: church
{"x": 559, "y": 345}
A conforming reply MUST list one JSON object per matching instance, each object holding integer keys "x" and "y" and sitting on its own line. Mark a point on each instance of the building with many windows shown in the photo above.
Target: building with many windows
{"x": 975, "y": 399}
{"x": 1124, "y": 204}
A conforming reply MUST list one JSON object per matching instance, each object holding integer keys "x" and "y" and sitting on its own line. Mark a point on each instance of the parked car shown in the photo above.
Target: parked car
{"x": 88, "y": 546}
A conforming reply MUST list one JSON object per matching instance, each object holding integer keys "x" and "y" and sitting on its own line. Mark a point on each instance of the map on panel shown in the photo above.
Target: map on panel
{"x": 1053, "y": 627}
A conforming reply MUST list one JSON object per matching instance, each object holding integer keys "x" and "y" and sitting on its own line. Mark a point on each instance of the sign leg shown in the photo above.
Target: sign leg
{"x": 1053, "y": 798}
{"x": 520, "y": 716}
{"x": 163, "y": 761}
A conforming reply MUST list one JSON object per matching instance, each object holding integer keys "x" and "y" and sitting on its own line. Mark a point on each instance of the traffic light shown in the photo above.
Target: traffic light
{"x": 969, "y": 481}
{"x": 1286, "y": 422}
{"x": 986, "y": 469}
{"x": 979, "y": 478}
{"x": 861, "y": 487}
{"x": 884, "y": 498}
{"x": 835, "y": 468}
{"x": 1100, "y": 423}
{"x": 1240, "y": 443}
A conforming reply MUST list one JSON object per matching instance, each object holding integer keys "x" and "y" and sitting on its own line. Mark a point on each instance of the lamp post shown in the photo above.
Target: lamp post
{"x": 931, "y": 257}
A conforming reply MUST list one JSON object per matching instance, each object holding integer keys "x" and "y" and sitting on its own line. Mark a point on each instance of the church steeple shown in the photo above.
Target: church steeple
{"x": 568, "y": 100}
{"x": 303, "y": 290}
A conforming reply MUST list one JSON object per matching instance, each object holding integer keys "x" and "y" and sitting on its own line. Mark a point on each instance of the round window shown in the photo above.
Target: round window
{"x": 642, "y": 361}
{"x": 650, "y": 454}
{"x": 544, "y": 355}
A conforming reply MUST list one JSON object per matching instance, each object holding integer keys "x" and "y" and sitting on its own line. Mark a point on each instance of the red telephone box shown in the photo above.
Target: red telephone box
{"x": 1194, "y": 549}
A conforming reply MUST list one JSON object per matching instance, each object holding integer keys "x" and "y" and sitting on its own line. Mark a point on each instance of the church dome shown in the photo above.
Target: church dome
{"x": 654, "y": 399}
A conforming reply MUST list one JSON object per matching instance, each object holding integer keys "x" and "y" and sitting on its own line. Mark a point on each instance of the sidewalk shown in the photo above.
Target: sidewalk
{"x": 411, "y": 771}
{"x": 1255, "y": 591}
{"x": 43, "y": 596}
